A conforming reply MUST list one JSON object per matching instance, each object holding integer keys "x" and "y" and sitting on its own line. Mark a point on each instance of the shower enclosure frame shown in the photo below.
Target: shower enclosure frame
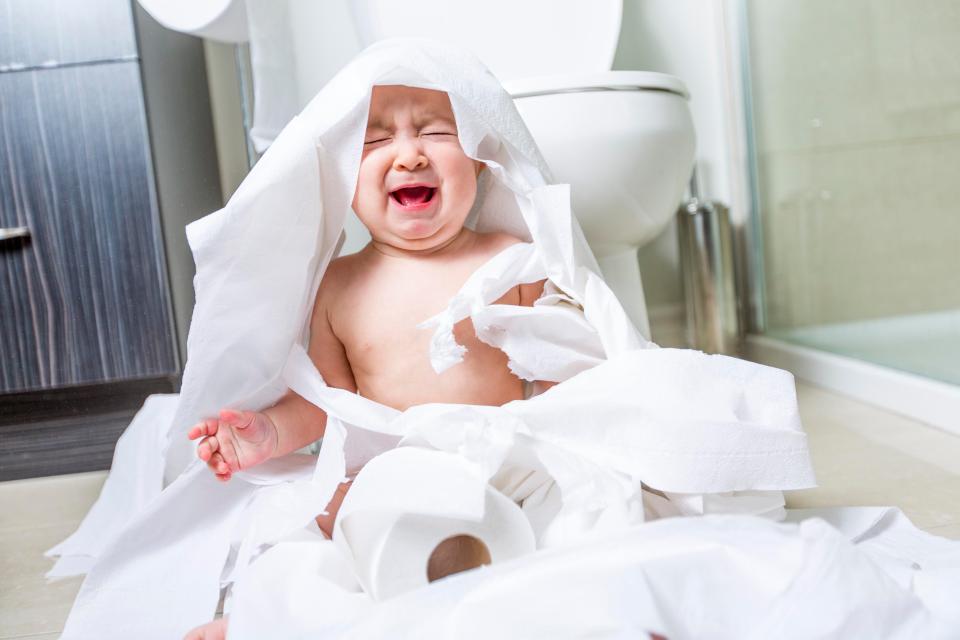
{"x": 915, "y": 396}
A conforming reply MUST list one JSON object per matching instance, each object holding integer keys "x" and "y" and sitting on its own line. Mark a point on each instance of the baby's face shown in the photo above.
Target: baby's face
{"x": 416, "y": 185}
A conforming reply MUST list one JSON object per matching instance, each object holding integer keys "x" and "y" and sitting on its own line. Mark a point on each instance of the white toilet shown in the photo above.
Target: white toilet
{"x": 623, "y": 140}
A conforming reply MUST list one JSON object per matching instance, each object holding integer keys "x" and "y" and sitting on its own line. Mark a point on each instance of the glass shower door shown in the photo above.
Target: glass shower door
{"x": 856, "y": 143}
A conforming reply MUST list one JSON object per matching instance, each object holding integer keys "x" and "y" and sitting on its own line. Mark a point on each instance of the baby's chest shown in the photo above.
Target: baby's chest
{"x": 379, "y": 317}
{"x": 383, "y": 321}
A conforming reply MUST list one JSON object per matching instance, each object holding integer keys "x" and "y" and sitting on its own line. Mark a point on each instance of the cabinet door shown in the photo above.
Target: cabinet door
{"x": 49, "y": 33}
{"x": 85, "y": 299}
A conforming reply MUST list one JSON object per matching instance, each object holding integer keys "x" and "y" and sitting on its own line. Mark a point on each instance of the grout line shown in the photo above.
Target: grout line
{"x": 80, "y": 475}
{"x": 44, "y": 66}
{"x": 38, "y": 526}
{"x": 955, "y": 525}
{"x": 39, "y": 634}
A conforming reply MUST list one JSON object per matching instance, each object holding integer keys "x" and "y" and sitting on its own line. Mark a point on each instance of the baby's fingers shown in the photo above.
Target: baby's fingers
{"x": 219, "y": 467}
{"x": 208, "y": 446}
{"x": 206, "y": 427}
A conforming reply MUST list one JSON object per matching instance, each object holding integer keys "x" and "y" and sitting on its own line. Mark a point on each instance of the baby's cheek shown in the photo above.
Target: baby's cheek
{"x": 364, "y": 197}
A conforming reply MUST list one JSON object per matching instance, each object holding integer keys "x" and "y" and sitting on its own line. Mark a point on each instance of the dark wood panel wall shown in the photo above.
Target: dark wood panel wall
{"x": 85, "y": 299}
{"x": 106, "y": 153}
{"x": 47, "y": 33}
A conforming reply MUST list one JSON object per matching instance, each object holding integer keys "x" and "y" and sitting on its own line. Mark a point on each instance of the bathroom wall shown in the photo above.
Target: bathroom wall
{"x": 857, "y": 114}
{"x": 221, "y": 63}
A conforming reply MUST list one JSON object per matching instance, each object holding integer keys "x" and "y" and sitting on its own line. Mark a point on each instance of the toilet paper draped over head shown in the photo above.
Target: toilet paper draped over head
{"x": 261, "y": 257}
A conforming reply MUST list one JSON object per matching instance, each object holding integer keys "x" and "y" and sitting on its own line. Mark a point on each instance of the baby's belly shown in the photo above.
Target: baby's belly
{"x": 399, "y": 375}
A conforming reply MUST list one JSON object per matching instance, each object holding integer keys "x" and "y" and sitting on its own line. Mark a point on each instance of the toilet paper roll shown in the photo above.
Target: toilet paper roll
{"x": 407, "y": 501}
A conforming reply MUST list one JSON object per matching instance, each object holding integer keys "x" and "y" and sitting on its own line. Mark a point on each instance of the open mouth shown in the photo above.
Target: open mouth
{"x": 413, "y": 196}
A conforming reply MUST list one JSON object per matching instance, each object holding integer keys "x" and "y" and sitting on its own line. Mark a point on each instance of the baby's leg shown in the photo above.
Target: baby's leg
{"x": 325, "y": 522}
{"x": 216, "y": 630}
{"x": 456, "y": 554}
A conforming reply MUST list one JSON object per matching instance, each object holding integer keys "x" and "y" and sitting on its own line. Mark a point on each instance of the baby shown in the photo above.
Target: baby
{"x": 414, "y": 190}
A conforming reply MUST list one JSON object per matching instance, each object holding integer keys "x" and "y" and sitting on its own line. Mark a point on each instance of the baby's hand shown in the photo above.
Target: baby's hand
{"x": 237, "y": 440}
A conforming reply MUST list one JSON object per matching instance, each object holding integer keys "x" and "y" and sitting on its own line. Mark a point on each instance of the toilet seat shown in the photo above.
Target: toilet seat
{"x": 595, "y": 81}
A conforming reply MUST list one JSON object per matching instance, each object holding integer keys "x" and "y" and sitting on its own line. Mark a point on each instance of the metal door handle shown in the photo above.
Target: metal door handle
{"x": 14, "y": 232}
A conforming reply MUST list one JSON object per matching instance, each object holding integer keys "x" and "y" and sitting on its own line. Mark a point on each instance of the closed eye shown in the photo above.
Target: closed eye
{"x": 438, "y": 133}
{"x": 375, "y": 141}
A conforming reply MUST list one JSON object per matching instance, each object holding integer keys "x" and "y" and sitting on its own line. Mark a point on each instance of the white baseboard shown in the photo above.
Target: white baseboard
{"x": 930, "y": 401}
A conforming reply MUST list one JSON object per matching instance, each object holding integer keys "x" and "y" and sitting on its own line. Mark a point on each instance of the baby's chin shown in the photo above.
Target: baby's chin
{"x": 419, "y": 236}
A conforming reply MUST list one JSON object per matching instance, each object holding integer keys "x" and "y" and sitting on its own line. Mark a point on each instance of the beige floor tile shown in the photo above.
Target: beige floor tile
{"x": 824, "y": 411}
{"x": 28, "y": 605}
{"x": 951, "y": 531}
{"x": 53, "y": 500}
{"x": 865, "y": 456}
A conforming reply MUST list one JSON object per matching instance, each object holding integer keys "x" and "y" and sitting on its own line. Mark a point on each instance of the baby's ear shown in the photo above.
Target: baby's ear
{"x": 479, "y": 165}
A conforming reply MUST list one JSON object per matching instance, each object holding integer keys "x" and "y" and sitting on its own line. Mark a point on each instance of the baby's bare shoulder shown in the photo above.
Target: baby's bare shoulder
{"x": 496, "y": 241}
{"x": 340, "y": 273}
{"x": 523, "y": 294}
{"x": 343, "y": 270}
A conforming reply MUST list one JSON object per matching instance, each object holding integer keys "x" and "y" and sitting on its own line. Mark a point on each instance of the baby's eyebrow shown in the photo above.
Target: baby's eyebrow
{"x": 421, "y": 118}
{"x": 430, "y": 117}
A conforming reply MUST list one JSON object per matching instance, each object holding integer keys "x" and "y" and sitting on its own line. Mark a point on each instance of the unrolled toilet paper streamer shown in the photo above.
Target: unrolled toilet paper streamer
{"x": 407, "y": 501}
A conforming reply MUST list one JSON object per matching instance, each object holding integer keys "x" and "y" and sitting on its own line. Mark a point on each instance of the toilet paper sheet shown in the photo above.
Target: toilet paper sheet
{"x": 630, "y": 432}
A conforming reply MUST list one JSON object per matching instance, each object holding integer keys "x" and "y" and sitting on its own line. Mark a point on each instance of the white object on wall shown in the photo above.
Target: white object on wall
{"x": 275, "y": 96}
{"x": 223, "y": 20}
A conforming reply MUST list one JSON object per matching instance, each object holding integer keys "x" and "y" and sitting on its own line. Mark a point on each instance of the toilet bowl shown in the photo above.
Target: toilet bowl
{"x": 623, "y": 140}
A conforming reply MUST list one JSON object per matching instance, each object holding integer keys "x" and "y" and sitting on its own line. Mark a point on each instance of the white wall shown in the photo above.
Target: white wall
{"x": 225, "y": 105}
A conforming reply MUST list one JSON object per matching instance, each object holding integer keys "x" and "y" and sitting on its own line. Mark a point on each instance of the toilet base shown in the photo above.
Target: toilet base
{"x": 621, "y": 270}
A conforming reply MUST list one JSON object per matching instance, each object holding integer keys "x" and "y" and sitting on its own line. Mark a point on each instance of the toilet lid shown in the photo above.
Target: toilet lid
{"x": 514, "y": 38}
{"x": 603, "y": 80}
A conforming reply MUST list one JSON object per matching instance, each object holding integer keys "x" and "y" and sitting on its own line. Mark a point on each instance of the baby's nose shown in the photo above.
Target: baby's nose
{"x": 410, "y": 156}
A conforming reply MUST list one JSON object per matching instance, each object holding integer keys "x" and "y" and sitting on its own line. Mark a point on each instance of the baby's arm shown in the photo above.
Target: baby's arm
{"x": 241, "y": 439}
{"x": 300, "y": 422}
{"x": 528, "y": 294}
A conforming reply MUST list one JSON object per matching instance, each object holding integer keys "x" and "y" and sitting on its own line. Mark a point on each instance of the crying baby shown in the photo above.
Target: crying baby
{"x": 414, "y": 191}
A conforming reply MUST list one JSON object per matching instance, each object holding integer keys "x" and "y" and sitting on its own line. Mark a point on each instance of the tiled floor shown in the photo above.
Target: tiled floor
{"x": 35, "y": 515}
{"x": 862, "y": 455}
